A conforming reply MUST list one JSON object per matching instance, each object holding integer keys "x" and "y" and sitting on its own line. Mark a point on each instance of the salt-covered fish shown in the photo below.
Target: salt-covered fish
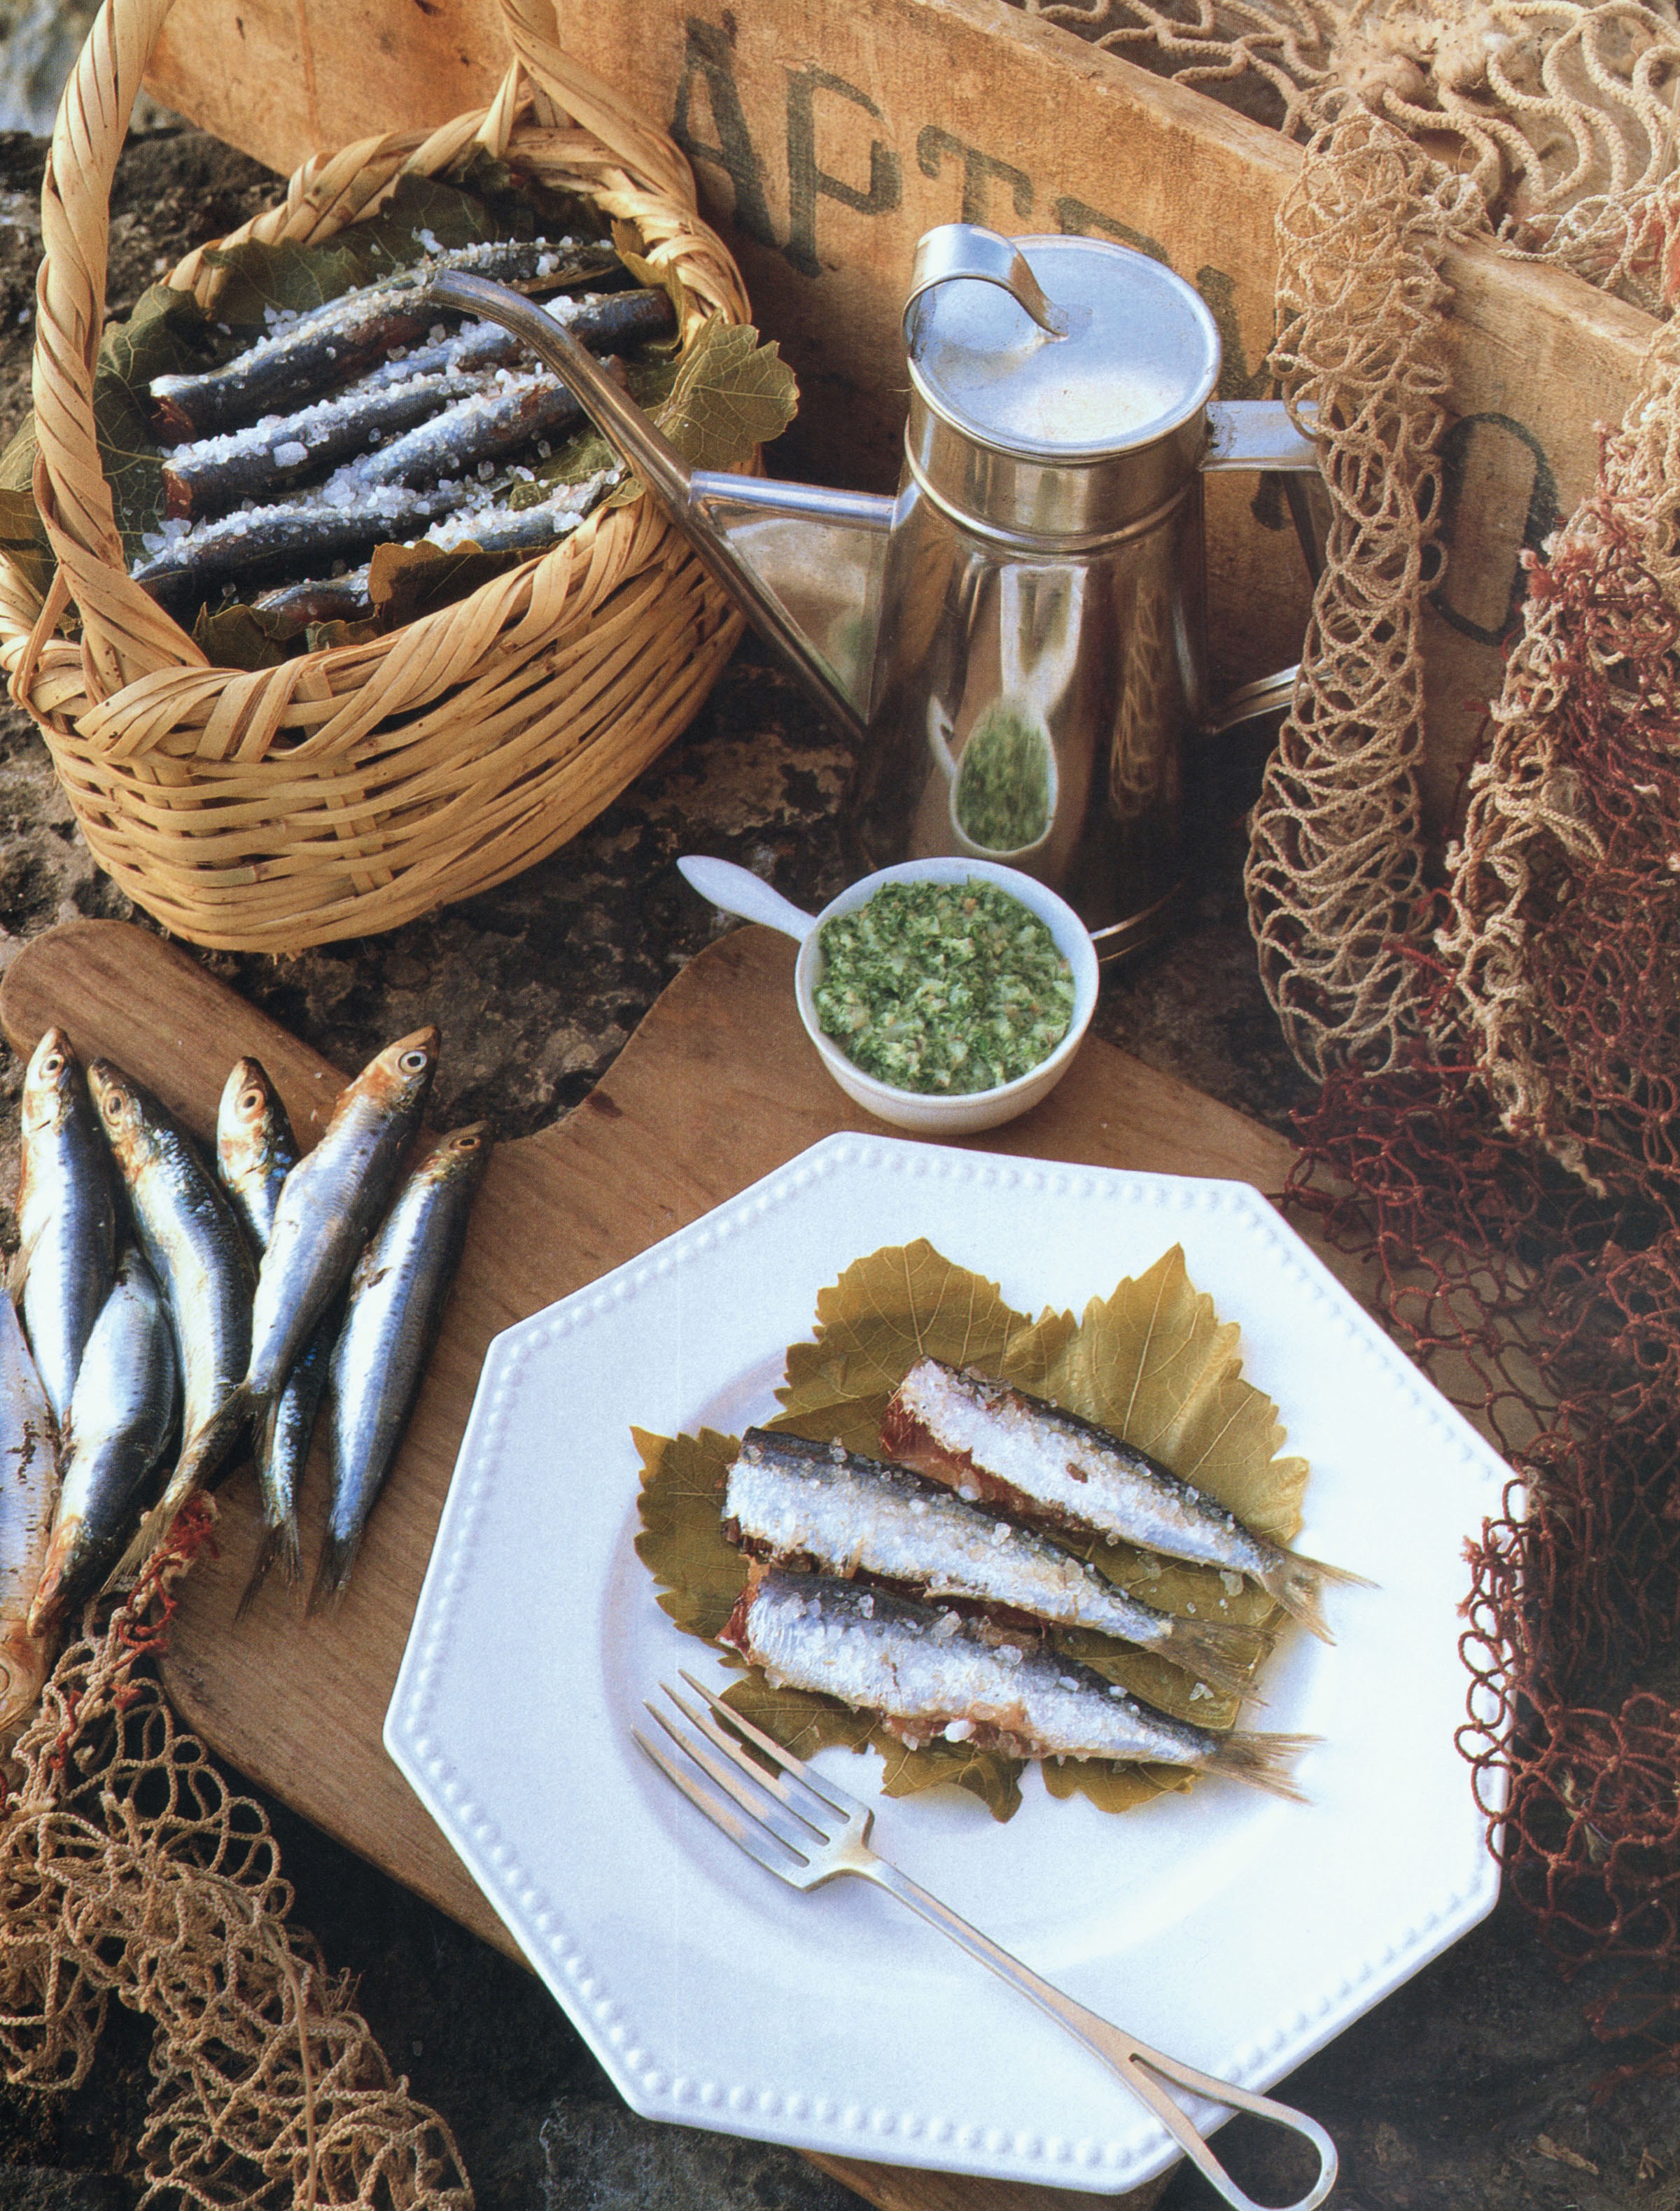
{"x": 66, "y": 1217}
{"x": 259, "y": 543}
{"x": 274, "y": 455}
{"x": 327, "y": 1204}
{"x": 997, "y": 1446}
{"x": 255, "y": 1151}
{"x": 790, "y": 1503}
{"x": 398, "y": 1296}
{"x": 491, "y": 526}
{"x": 29, "y": 1480}
{"x": 933, "y": 1676}
{"x": 121, "y": 1423}
{"x": 196, "y": 1249}
{"x": 330, "y": 344}
{"x": 487, "y": 424}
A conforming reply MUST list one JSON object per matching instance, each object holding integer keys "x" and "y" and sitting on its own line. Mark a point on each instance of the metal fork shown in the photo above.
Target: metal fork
{"x": 805, "y": 1829}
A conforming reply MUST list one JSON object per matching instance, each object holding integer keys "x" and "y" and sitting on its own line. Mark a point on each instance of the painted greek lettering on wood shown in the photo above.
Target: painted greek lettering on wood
{"x": 826, "y": 138}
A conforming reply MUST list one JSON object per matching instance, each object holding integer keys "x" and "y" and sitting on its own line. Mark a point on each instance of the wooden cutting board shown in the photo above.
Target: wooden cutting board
{"x": 719, "y": 1086}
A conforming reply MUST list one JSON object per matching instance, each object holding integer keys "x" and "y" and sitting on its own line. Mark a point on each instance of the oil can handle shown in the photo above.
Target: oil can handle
{"x": 964, "y": 249}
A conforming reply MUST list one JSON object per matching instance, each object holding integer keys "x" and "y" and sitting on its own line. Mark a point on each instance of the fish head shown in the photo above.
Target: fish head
{"x": 120, "y": 1104}
{"x": 51, "y": 1084}
{"x": 464, "y": 1154}
{"x": 251, "y": 1129}
{"x": 399, "y": 1078}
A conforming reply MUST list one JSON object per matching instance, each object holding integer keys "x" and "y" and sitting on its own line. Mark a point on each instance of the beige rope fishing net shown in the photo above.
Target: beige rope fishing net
{"x": 129, "y": 1869}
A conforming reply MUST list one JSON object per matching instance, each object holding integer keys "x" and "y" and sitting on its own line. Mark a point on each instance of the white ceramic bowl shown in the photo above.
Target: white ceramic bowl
{"x": 959, "y": 1114}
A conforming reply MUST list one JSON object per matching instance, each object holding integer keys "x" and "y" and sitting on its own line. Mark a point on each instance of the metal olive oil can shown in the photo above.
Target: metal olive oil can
{"x": 1017, "y": 640}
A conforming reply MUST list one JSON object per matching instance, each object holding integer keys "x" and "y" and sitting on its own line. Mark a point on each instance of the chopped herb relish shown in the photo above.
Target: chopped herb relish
{"x": 943, "y": 986}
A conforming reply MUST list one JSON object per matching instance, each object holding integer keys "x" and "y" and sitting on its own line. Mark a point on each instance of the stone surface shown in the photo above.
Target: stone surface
{"x": 1471, "y": 2090}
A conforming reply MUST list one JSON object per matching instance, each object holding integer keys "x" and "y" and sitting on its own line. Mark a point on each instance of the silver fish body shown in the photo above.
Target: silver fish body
{"x": 935, "y": 1676}
{"x": 398, "y": 1296}
{"x": 194, "y": 1246}
{"x": 67, "y": 1217}
{"x": 122, "y": 1419}
{"x": 255, "y": 1151}
{"x": 329, "y": 1201}
{"x": 790, "y": 1502}
{"x": 28, "y": 1482}
{"x": 995, "y": 1444}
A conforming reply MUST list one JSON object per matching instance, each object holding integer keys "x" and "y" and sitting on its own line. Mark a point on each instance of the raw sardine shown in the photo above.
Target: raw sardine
{"x": 933, "y": 1676}
{"x": 66, "y": 1217}
{"x": 255, "y": 1151}
{"x": 330, "y": 344}
{"x": 793, "y": 1503}
{"x": 197, "y": 1251}
{"x": 398, "y": 1296}
{"x": 996, "y": 1446}
{"x": 29, "y": 1480}
{"x": 122, "y": 1419}
{"x": 328, "y": 1202}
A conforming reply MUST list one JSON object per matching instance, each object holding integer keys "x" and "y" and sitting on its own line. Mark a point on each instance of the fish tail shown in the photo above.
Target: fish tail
{"x": 1221, "y": 1652}
{"x": 201, "y": 1455}
{"x": 332, "y": 1571}
{"x": 280, "y": 1541}
{"x": 1263, "y": 1761}
{"x": 1298, "y": 1585}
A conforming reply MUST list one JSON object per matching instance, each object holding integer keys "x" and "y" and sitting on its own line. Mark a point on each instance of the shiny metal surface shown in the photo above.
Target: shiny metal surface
{"x": 1027, "y": 707}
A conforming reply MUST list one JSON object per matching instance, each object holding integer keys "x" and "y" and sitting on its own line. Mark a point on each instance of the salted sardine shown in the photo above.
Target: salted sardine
{"x": 66, "y": 1217}
{"x": 398, "y": 1296}
{"x": 255, "y": 1151}
{"x": 996, "y": 1446}
{"x": 121, "y": 1423}
{"x": 257, "y": 543}
{"x": 790, "y": 1503}
{"x": 933, "y": 1676}
{"x": 329, "y": 344}
{"x": 327, "y": 1204}
{"x": 195, "y": 1248}
{"x": 28, "y": 1482}
{"x": 272, "y": 456}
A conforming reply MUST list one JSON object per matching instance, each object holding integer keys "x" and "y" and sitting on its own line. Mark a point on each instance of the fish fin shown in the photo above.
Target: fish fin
{"x": 280, "y": 1541}
{"x": 47, "y": 1606}
{"x": 332, "y": 1572}
{"x": 1221, "y": 1652}
{"x": 1263, "y": 1761}
{"x": 1297, "y": 1584}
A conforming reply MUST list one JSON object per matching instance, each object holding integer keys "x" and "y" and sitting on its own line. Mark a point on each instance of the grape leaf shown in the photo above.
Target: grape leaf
{"x": 682, "y": 1540}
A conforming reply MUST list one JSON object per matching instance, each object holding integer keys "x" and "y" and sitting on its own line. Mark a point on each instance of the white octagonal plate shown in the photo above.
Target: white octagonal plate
{"x": 1235, "y": 1931}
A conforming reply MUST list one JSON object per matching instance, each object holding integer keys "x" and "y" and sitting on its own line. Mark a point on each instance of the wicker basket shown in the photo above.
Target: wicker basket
{"x": 348, "y": 791}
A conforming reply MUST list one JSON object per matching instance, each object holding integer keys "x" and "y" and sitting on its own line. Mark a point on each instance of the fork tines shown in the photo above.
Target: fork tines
{"x": 785, "y": 1803}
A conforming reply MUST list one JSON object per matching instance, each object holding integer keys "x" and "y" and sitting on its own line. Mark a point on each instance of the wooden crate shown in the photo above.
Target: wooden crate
{"x": 827, "y": 136}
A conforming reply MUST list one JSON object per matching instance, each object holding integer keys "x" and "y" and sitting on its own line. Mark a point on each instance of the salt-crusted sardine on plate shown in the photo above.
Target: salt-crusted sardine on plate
{"x": 993, "y": 1444}
{"x": 790, "y": 1502}
{"x": 931, "y": 1675}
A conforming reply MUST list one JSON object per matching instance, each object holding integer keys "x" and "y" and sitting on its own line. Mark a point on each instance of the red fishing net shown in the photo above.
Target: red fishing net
{"x": 1512, "y": 1182}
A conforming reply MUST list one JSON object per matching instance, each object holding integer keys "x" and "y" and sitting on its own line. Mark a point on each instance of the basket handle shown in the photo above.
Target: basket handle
{"x": 126, "y": 634}
{"x": 652, "y": 158}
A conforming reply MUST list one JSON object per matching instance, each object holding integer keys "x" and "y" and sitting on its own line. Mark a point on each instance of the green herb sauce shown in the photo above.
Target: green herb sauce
{"x": 943, "y": 986}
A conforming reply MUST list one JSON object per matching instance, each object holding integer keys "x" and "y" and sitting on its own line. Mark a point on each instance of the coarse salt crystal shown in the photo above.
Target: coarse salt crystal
{"x": 288, "y": 455}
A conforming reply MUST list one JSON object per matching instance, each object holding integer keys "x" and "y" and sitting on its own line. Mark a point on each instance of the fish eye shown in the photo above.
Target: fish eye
{"x": 466, "y": 1143}
{"x": 252, "y": 1102}
{"x": 114, "y": 1103}
{"x": 412, "y": 1062}
{"x": 54, "y": 1064}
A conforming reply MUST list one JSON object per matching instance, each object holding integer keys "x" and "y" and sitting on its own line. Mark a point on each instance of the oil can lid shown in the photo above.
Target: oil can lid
{"x": 1138, "y": 356}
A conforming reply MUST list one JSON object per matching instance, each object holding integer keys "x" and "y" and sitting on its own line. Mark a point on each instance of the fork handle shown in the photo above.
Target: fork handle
{"x": 1143, "y": 2070}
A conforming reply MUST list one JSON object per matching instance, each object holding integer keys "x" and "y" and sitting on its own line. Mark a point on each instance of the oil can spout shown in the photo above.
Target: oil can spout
{"x": 803, "y": 564}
